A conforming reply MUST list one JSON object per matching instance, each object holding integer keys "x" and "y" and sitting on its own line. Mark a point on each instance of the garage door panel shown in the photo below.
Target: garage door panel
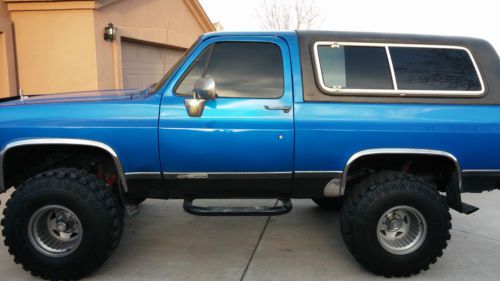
{"x": 145, "y": 64}
{"x": 130, "y": 82}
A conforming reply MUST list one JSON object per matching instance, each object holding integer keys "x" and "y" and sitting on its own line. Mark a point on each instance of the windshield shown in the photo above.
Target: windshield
{"x": 173, "y": 68}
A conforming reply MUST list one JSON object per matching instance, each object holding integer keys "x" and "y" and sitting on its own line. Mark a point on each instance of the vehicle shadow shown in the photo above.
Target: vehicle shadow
{"x": 171, "y": 243}
{"x": 165, "y": 243}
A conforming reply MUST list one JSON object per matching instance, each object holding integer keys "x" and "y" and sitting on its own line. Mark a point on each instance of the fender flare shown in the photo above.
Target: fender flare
{"x": 71, "y": 142}
{"x": 453, "y": 191}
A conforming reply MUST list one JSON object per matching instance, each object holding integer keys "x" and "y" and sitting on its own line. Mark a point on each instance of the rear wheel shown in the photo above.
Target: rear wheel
{"x": 62, "y": 224}
{"x": 395, "y": 224}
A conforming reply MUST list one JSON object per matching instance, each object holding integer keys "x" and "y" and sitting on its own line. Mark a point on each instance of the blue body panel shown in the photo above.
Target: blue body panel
{"x": 153, "y": 133}
{"x": 327, "y": 134}
{"x": 129, "y": 126}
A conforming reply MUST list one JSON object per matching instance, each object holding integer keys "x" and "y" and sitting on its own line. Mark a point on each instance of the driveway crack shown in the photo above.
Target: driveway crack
{"x": 476, "y": 234}
{"x": 268, "y": 220}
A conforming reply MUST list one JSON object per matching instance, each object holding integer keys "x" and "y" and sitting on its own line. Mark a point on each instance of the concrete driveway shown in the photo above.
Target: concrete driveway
{"x": 164, "y": 243}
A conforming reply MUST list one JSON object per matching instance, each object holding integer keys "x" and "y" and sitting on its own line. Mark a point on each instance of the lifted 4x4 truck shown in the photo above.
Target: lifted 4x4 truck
{"x": 389, "y": 128}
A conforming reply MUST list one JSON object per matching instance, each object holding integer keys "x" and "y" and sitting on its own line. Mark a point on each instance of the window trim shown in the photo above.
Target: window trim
{"x": 211, "y": 46}
{"x": 395, "y": 91}
{"x": 177, "y": 84}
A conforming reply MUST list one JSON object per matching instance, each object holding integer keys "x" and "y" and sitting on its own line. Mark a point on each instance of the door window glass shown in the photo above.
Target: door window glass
{"x": 239, "y": 69}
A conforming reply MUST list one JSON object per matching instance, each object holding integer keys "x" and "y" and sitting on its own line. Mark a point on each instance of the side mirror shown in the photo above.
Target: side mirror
{"x": 204, "y": 90}
{"x": 194, "y": 106}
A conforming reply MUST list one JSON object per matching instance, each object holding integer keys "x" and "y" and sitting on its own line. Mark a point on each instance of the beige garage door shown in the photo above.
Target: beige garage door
{"x": 144, "y": 64}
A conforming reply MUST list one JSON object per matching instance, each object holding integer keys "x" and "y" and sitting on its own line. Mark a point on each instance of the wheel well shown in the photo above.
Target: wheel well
{"x": 23, "y": 162}
{"x": 442, "y": 172}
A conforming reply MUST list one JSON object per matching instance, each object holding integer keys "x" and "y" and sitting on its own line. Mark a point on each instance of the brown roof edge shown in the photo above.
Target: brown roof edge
{"x": 200, "y": 15}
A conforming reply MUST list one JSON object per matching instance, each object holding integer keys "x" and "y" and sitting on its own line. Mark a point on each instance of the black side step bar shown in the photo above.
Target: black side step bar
{"x": 285, "y": 207}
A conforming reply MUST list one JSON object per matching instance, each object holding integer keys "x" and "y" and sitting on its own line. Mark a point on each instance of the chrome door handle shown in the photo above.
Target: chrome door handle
{"x": 285, "y": 109}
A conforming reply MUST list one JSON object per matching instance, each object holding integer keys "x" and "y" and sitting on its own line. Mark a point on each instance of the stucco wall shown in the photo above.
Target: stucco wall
{"x": 60, "y": 45}
{"x": 158, "y": 21}
{"x": 55, "y": 50}
{"x": 8, "y": 83}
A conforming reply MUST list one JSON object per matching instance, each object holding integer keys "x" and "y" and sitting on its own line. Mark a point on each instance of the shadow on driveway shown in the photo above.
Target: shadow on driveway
{"x": 164, "y": 243}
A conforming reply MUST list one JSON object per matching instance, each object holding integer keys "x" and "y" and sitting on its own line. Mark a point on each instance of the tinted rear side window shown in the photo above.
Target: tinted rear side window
{"x": 434, "y": 69}
{"x": 240, "y": 70}
{"x": 355, "y": 67}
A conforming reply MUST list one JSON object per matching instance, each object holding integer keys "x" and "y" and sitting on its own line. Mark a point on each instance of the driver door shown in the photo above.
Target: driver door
{"x": 242, "y": 144}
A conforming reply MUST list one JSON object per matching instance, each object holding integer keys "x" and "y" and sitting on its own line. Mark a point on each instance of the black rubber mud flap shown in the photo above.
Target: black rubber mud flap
{"x": 454, "y": 198}
{"x": 285, "y": 207}
{"x": 468, "y": 209}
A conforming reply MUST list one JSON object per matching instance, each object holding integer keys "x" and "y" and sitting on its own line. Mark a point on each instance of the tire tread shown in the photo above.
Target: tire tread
{"x": 95, "y": 190}
{"x": 367, "y": 192}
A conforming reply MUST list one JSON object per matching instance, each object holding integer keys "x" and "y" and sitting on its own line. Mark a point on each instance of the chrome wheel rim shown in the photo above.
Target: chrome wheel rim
{"x": 55, "y": 231}
{"x": 401, "y": 230}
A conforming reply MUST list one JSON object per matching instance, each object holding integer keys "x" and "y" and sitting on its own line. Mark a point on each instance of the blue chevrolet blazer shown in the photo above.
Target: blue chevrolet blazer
{"x": 390, "y": 129}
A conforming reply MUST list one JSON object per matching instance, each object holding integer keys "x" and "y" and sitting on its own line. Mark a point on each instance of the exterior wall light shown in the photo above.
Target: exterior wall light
{"x": 110, "y": 32}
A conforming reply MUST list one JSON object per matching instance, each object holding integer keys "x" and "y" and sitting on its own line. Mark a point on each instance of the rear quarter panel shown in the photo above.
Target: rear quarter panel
{"x": 328, "y": 133}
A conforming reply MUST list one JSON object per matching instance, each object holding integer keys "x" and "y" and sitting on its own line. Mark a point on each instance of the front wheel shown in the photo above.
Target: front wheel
{"x": 395, "y": 224}
{"x": 62, "y": 224}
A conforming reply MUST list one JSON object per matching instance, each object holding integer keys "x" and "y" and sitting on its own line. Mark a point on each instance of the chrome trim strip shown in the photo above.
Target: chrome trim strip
{"x": 318, "y": 172}
{"x": 362, "y": 153}
{"x": 395, "y": 91}
{"x": 481, "y": 171}
{"x": 187, "y": 176}
{"x": 226, "y": 173}
{"x": 391, "y": 67}
{"x": 63, "y": 141}
{"x": 223, "y": 175}
{"x": 143, "y": 175}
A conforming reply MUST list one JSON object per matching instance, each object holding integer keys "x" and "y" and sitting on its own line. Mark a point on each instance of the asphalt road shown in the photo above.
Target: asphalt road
{"x": 164, "y": 243}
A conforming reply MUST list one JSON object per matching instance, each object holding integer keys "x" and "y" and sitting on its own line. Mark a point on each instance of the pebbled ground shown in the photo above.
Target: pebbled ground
{"x": 165, "y": 243}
